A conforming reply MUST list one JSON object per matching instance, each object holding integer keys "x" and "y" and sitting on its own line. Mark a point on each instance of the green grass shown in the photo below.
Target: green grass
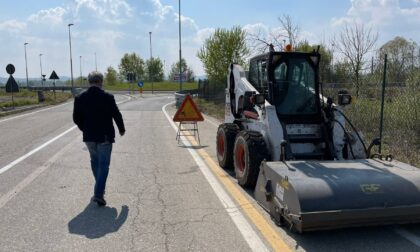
{"x": 25, "y": 98}
{"x": 157, "y": 86}
{"x": 217, "y": 110}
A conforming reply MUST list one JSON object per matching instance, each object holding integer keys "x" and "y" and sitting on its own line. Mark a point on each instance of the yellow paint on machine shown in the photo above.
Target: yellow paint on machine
{"x": 268, "y": 232}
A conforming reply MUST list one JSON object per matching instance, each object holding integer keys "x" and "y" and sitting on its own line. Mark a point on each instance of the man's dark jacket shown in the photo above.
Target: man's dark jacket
{"x": 93, "y": 113}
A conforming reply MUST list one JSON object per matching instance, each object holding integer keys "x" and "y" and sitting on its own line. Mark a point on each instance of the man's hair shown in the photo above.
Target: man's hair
{"x": 95, "y": 77}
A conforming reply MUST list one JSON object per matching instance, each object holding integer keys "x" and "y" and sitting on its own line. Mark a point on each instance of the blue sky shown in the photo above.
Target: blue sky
{"x": 113, "y": 27}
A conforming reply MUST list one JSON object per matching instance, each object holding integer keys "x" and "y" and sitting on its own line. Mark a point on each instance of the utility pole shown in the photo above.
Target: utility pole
{"x": 26, "y": 64}
{"x": 40, "y": 64}
{"x": 81, "y": 76}
{"x": 150, "y": 63}
{"x": 96, "y": 64}
{"x": 180, "y": 52}
{"x": 71, "y": 60}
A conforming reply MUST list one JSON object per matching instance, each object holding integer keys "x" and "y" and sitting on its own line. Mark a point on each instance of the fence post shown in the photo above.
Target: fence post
{"x": 382, "y": 106}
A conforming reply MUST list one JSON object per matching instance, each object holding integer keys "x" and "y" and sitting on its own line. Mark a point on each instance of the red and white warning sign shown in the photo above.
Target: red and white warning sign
{"x": 188, "y": 112}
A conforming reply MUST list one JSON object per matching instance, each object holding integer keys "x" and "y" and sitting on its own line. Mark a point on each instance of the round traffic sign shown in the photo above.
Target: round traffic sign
{"x": 140, "y": 84}
{"x": 10, "y": 69}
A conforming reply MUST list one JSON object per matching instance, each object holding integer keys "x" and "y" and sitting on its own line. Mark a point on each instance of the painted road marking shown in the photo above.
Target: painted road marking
{"x": 17, "y": 161}
{"x": 31, "y": 113}
{"x": 408, "y": 235}
{"x": 211, "y": 170}
{"x": 20, "y": 159}
{"x": 248, "y": 233}
{"x": 31, "y": 177}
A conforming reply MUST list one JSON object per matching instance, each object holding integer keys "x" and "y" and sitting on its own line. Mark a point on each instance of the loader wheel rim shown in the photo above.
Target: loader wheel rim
{"x": 240, "y": 157}
{"x": 221, "y": 145}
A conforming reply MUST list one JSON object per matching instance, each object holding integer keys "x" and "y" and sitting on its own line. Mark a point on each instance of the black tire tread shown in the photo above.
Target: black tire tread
{"x": 231, "y": 130}
{"x": 256, "y": 146}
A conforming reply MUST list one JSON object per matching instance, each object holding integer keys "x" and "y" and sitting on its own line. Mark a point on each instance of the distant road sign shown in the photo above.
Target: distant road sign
{"x": 11, "y": 85}
{"x": 140, "y": 84}
{"x": 54, "y": 76}
{"x": 176, "y": 77}
{"x": 10, "y": 69}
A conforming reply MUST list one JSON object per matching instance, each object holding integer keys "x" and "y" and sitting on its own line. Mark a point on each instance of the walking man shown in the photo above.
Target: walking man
{"x": 93, "y": 113}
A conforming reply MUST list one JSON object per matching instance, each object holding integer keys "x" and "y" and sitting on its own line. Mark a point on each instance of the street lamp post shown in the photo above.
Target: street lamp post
{"x": 150, "y": 63}
{"x": 40, "y": 64}
{"x": 71, "y": 60}
{"x": 180, "y": 53}
{"x": 96, "y": 64}
{"x": 81, "y": 76}
{"x": 26, "y": 64}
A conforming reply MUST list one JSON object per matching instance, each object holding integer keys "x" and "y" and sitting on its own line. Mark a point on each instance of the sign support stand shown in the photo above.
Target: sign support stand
{"x": 193, "y": 129}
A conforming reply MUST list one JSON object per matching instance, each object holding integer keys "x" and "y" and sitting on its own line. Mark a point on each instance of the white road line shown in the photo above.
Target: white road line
{"x": 31, "y": 113}
{"x": 31, "y": 177}
{"x": 408, "y": 235}
{"x": 211, "y": 122}
{"x": 20, "y": 159}
{"x": 17, "y": 161}
{"x": 251, "y": 237}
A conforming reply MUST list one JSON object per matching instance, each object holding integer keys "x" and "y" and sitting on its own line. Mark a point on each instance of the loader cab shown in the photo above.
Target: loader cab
{"x": 294, "y": 88}
{"x": 289, "y": 81}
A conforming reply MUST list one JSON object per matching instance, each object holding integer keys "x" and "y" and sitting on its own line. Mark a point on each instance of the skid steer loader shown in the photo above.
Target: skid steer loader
{"x": 308, "y": 164}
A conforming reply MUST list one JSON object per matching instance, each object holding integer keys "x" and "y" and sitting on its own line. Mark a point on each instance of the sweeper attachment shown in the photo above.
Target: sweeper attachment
{"x": 308, "y": 164}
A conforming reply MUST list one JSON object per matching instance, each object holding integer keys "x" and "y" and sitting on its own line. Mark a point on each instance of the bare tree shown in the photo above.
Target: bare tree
{"x": 354, "y": 42}
{"x": 291, "y": 28}
{"x": 260, "y": 40}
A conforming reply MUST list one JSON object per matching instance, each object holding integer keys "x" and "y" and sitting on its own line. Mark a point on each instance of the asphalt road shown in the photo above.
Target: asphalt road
{"x": 162, "y": 196}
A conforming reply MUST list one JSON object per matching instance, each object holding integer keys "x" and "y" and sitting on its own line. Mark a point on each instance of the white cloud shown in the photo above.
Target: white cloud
{"x": 110, "y": 11}
{"x": 186, "y": 21}
{"x": 203, "y": 34}
{"x": 12, "y": 26}
{"x": 382, "y": 14}
{"x": 53, "y": 16}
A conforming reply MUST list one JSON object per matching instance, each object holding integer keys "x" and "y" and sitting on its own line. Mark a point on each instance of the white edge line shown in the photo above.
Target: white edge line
{"x": 408, "y": 235}
{"x": 31, "y": 177}
{"x": 34, "y": 112}
{"x": 251, "y": 237}
{"x": 17, "y": 161}
{"x": 20, "y": 159}
{"x": 211, "y": 121}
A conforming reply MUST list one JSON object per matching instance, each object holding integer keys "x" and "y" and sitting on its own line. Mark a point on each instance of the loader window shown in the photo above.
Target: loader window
{"x": 294, "y": 87}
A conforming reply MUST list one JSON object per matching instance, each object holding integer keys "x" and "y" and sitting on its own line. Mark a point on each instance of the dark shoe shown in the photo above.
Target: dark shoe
{"x": 99, "y": 201}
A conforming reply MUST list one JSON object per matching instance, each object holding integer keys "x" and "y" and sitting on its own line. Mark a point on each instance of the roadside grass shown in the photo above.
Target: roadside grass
{"x": 214, "y": 109}
{"x": 401, "y": 127}
{"x": 156, "y": 86}
{"x": 25, "y": 98}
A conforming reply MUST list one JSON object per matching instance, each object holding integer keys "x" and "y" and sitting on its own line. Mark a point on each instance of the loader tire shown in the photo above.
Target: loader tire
{"x": 249, "y": 151}
{"x": 225, "y": 140}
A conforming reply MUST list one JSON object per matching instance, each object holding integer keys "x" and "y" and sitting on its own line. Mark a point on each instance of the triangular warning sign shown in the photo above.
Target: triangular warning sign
{"x": 188, "y": 112}
{"x": 54, "y": 76}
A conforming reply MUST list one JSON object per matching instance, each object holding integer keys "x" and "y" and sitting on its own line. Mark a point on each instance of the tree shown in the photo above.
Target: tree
{"x": 354, "y": 42}
{"x": 260, "y": 40}
{"x": 221, "y": 49}
{"x": 401, "y": 58}
{"x": 132, "y": 63}
{"x": 325, "y": 67}
{"x": 291, "y": 28}
{"x": 184, "y": 69}
{"x": 111, "y": 76}
{"x": 154, "y": 70}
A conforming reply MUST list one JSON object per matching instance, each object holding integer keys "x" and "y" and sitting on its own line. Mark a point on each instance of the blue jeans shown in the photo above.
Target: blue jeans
{"x": 100, "y": 157}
